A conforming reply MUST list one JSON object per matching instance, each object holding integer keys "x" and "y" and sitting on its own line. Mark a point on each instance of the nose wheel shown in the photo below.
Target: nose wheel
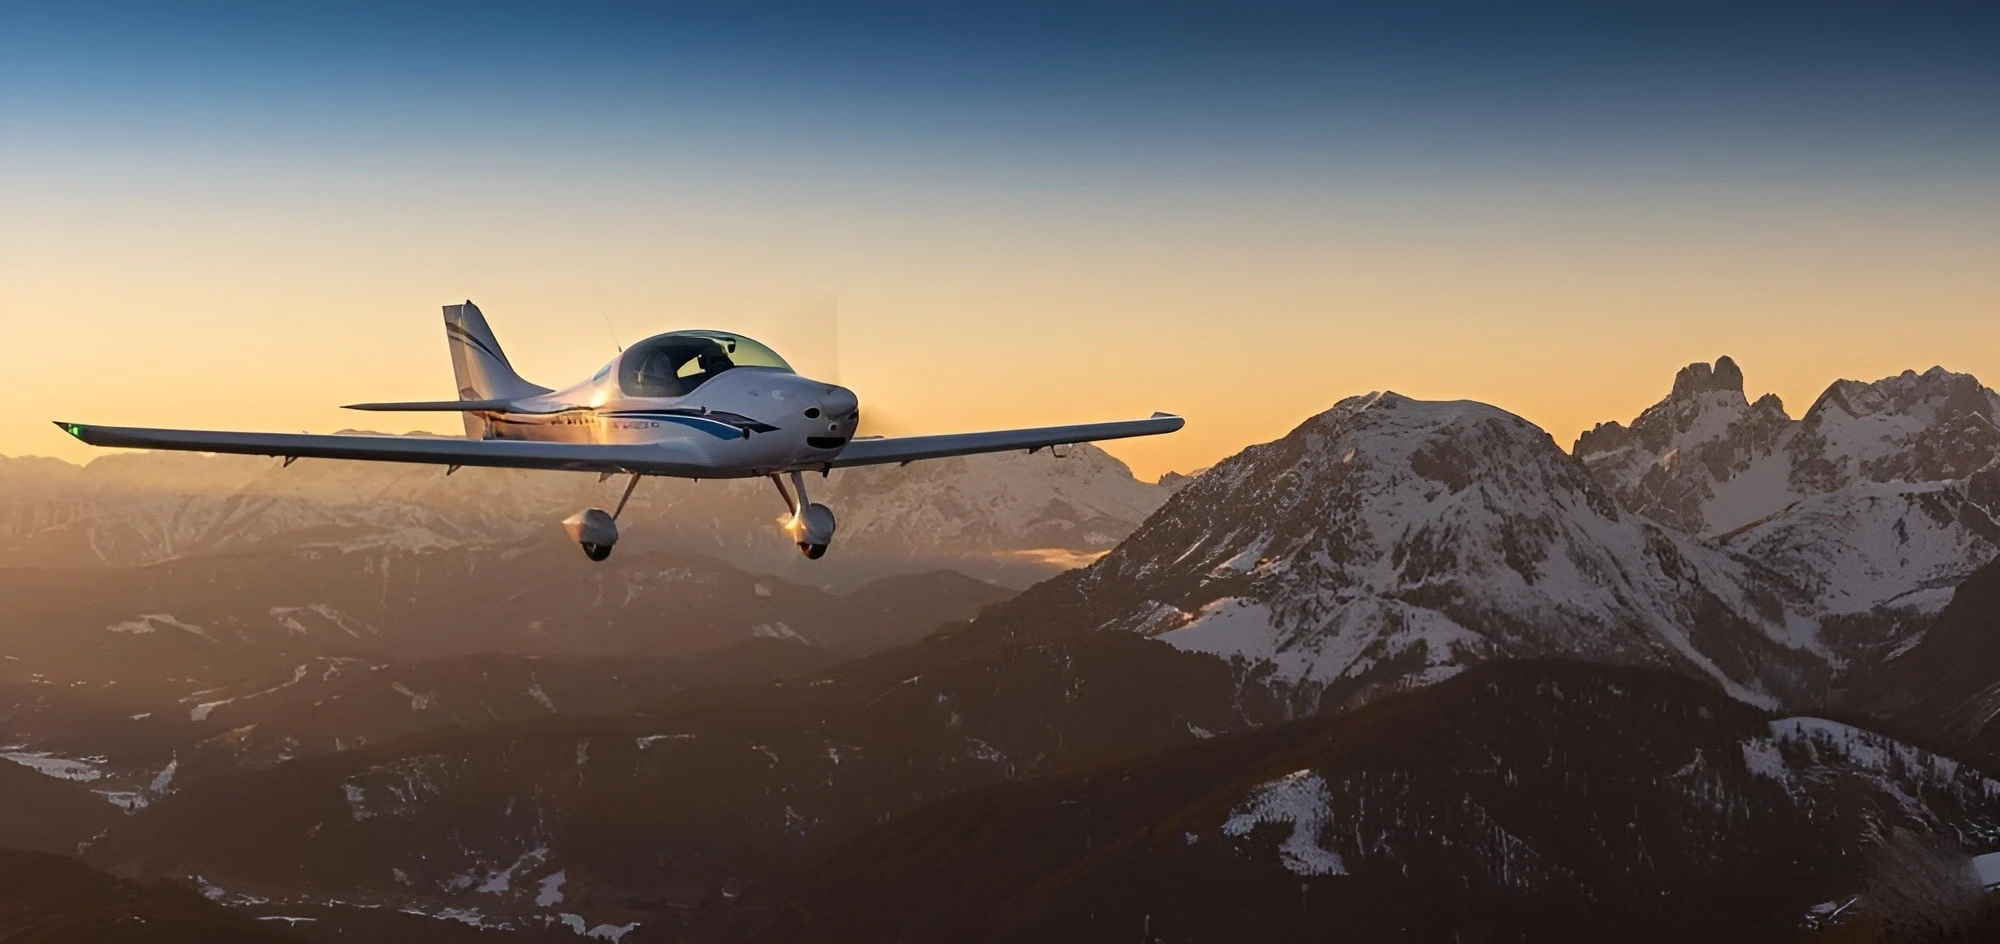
{"x": 810, "y": 524}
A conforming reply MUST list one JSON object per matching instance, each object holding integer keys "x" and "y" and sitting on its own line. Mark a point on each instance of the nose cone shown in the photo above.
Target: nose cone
{"x": 834, "y": 420}
{"x": 843, "y": 412}
{"x": 839, "y": 402}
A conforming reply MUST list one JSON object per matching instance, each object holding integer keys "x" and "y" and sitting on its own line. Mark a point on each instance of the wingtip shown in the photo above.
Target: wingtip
{"x": 74, "y": 429}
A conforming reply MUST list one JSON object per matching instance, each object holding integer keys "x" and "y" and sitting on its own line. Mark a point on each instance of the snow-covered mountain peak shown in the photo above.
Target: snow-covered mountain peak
{"x": 1928, "y": 427}
{"x": 1707, "y": 461}
{"x": 1927, "y": 395}
{"x": 1391, "y": 541}
{"x": 1381, "y": 460}
{"x": 1868, "y": 502}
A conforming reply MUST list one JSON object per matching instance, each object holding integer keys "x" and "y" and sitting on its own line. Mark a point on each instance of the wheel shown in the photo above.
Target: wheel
{"x": 813, "y": 551}
{"x": 596, "y": 552}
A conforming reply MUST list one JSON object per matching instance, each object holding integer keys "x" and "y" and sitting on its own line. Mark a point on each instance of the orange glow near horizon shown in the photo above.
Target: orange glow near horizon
{"x": 1246, "y": 318}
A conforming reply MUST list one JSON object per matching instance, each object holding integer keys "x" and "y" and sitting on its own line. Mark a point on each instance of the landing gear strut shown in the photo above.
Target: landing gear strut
{"x": 811, "y": 524}
{"x": 595, "y": 530}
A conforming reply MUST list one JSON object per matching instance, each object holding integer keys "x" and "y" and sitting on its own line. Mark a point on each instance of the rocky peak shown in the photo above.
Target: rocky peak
{"x": 1704, "y": 402}
{"x": 1670, "y": 461}
{"x": 1174, "y": 481}
{"x": 1698, "y": 378}
{"x": 1605, "y": 437}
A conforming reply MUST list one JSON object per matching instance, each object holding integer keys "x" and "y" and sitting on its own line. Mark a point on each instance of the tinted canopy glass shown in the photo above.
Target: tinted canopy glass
{"x": 673, "y": 365}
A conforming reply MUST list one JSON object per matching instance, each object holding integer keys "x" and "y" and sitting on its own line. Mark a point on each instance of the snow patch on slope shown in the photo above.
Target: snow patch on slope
{"x": 602, "y": 932}
{"x": 49, "y": 764}
{"x": 501, "y": 881}
{"x": 1300, "y": 800}
{"x": 1234, "y": 628}
{"x": 201, "y": 711}
{"x": 1804, "y": 751}
{"x": 551, "y": 890}
{"x": 778, "y": 631}
{"x": 153, "y": 621}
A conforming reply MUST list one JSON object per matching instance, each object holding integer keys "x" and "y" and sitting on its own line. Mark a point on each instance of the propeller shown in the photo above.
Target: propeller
{"x": 812, "y": 345}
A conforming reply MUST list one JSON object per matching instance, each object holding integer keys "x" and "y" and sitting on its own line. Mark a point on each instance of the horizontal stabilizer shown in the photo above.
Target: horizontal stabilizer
{"x": 438, "y": 406}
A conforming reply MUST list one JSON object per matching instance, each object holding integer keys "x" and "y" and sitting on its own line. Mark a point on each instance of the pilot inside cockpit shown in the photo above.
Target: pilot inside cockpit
{"x": 712, "y": 360}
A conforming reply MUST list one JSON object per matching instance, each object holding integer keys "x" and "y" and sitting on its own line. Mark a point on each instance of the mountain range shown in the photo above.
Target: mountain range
{"x": 1009, "y": 518}
{"x": 1876, "y": 502}
{"x": 1410, "y": 672}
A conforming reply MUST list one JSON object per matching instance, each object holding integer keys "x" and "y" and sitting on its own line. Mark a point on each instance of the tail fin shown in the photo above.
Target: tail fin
{"x": 478, "y": 364}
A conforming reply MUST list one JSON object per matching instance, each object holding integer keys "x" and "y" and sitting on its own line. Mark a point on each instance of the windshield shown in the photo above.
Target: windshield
{"x": 673, "y": 365}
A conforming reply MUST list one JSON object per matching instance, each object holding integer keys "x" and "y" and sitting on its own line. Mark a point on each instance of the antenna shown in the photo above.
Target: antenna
{"x": 614, "y": 331}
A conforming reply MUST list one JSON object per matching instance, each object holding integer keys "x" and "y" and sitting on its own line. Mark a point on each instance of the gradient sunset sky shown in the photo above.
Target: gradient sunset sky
{"x": 239, "y": 216}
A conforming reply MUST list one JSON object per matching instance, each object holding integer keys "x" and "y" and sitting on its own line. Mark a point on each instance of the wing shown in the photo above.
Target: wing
{"x": 652, "y": 459}
{"x": 911, "y": 448}
{"x": 445, "y": 406}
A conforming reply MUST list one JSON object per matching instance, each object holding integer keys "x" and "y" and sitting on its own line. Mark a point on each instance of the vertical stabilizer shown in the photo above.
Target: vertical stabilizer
{"x": 478, "y": 364}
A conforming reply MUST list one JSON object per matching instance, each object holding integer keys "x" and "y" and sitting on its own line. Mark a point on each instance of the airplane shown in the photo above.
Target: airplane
{"x": 685, "y": 404}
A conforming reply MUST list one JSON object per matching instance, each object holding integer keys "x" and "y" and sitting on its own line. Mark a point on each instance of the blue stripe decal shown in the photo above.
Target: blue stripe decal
{"x": 717, "y": 429}
{"x": 740, "y": 424}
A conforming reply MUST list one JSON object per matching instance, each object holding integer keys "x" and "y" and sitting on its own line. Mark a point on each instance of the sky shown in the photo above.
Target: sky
{"x": 240, "y": 216}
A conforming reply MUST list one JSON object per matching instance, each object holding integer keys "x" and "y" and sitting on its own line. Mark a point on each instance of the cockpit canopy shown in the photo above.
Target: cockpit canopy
{"x": 672, "y": 365}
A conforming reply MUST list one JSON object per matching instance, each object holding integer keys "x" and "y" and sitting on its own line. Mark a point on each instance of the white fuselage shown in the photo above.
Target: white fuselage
{"x": 744, "y": 421}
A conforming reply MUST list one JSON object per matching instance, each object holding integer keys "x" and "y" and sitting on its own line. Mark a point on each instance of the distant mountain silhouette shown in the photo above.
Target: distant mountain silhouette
{"x": 990, "y": 516}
